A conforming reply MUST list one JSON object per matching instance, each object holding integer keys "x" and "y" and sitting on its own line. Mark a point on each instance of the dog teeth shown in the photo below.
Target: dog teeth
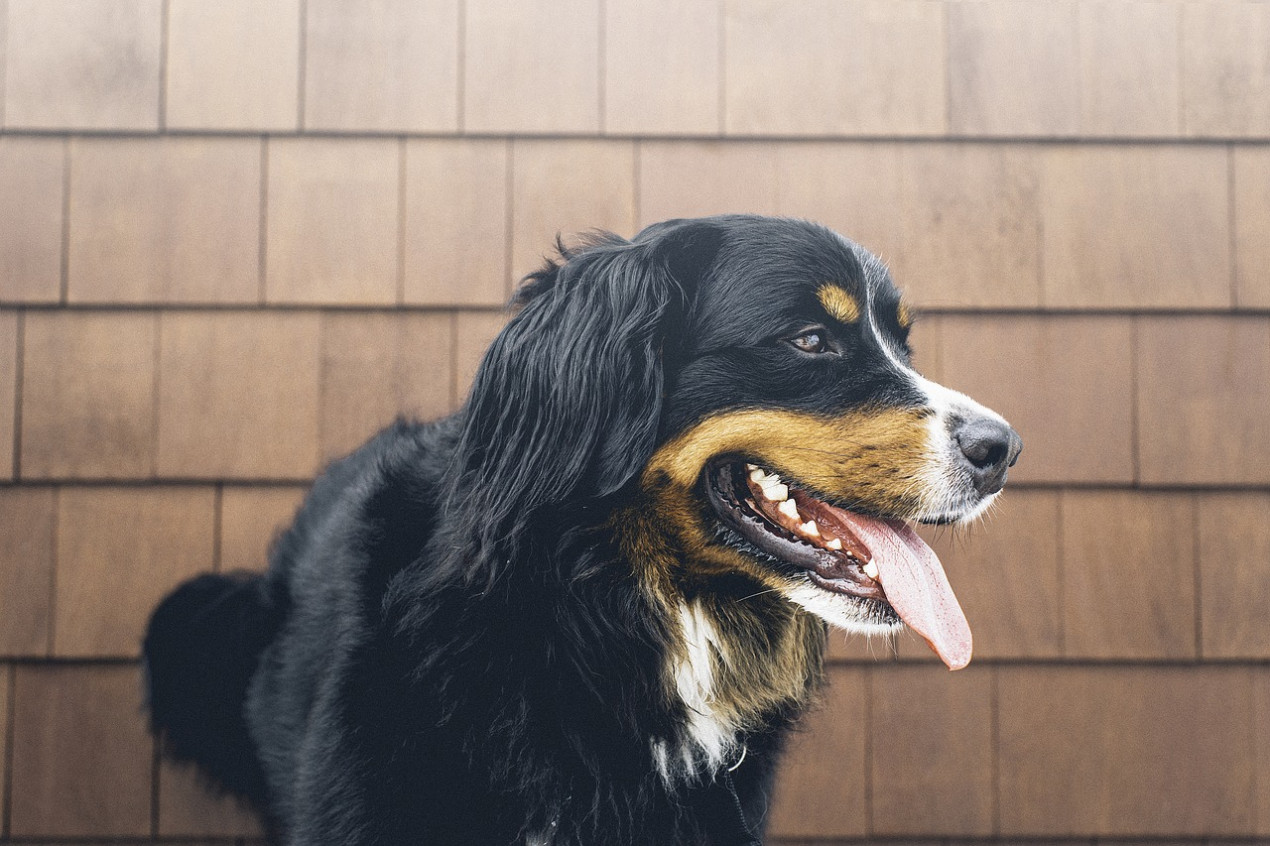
{"x": 871, "y": 570}
{"x": 773, "y": 489}
{"x": 758, "y": 473}
{"x": 776, "y": 493}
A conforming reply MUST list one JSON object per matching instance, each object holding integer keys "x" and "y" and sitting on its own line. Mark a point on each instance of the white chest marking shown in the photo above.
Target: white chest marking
{"x": 711, "y": 738}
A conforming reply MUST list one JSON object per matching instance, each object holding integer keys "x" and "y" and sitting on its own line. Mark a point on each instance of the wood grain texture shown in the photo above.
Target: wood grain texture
{"x": 932, "y": 751}
{"x": 1252, "y": 226}
{"x": 238, "y": 395}
{"x": 381, "y": 65}
{"x": 4, "y": 49}
{"x": 567, "y": 188}
{"x": 862, "y": 68}
{"x": 27, "y": 541}
{"x": 661, "y": 73}
{"x": 1074, "y": 412}
{"x": 1128, "y": 568}
{"x": 1226, "y": 69}
{"x": 969, "y": 226}
{"x": 853, "y": 188}
{"x": 456, "y": 208}
{"x": 1013, "y": 68}
{"x": 1129, "y": 68}
{"x": 90, "y": 64}
{"x": 233, "y": 64}
{"x": 826, "y": 758}
{"x": 332, "y": 222}
{"x": 119, "y": 551}
{"x": 376, "y": 368}
{"x": 164, "y": 220}
{"x": 81, "y": 753}
{"x": 6, "y": 684}
{"x": 1261, "y": 745}
{"x": 1131, "y": 751}
{"x": 88, "y": 395}
{"x": 9, "y": 387}
{"x": 699, "y": 178}
{"x": 1234, "y": 555}
{"x": 1136, "y": 227}
{"x": 1006, "y": 573}
{"x": 31, "y": 187}
{"x": 532, "y": 66}
{"x": 251, "y": 518}
{"x": 1202, "y": 390}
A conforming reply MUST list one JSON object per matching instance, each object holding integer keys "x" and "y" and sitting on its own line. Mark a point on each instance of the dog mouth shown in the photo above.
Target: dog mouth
{"x": 875, "y": 566}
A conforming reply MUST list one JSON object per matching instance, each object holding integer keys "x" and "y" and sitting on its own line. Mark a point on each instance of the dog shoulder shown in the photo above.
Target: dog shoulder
{"x": 368, "y": 515}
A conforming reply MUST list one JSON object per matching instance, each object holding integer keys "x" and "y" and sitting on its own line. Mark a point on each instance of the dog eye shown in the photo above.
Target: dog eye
{"x": 811, "y": 341}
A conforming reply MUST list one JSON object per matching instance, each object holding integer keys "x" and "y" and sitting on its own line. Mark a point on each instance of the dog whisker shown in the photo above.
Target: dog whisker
{"x": 759, "y": 593}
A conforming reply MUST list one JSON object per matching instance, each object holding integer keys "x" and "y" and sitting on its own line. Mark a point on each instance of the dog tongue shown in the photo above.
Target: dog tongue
{"x": 916, "y": 587}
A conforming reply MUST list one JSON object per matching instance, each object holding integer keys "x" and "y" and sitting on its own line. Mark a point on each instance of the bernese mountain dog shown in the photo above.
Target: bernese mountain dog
{"x": 588, "y": 607}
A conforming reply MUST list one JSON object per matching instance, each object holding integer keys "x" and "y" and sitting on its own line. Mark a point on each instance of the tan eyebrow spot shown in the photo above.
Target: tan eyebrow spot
{"x": 840, "y": 305}
{"x": 904, "y": 315}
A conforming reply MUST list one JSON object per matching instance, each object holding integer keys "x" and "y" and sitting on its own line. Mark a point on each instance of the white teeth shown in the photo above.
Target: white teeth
{"x": 871, "y": 570}
{"x": 835, "y": 543}
{"x": 810, "y": 529}
{"x": 770, "y": 483}
{"x": 776, "y": 492}
{"x": 766, "y": 480}
{"x": 749, "y": 466}
{"x": 789, "y": 509}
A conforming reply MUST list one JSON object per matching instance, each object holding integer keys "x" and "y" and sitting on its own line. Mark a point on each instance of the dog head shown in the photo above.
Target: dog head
{"x": 734, "y": 396}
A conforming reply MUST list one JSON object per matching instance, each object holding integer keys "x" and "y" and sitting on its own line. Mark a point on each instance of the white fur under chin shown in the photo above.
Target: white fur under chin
{"x": 711, "y": 740}
{"x": 838, "y": 611}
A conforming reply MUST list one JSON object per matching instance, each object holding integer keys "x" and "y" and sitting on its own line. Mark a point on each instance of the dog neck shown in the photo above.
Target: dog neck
{"x": 739, "y": 659}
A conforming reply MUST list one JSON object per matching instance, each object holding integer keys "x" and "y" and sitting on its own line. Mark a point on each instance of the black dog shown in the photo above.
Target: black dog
{"x": 586, "y": 608}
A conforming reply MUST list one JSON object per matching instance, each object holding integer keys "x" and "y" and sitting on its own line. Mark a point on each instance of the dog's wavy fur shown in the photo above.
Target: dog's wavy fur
{"x": 474, "y": 630}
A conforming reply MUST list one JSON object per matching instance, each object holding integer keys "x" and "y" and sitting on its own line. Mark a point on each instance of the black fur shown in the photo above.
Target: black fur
{"x": 449, "y": 646}
{"x": 203, "y": 643}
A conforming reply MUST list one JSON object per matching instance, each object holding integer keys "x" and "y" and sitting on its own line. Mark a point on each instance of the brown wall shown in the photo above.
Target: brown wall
{"x": 237, "y": 236}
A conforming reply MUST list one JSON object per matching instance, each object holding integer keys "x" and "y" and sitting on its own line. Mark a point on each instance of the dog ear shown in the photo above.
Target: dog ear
{"x": 567, "y": 401}
{"x": 687, "y": 246}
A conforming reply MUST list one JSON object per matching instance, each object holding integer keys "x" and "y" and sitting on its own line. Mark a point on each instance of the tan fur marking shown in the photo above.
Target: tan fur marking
{"x": 771, "y": 650}
{"x": 840, "y": 304}
{"x": 872, "y": 457}
{"x": 766, "y": 665}
{"x": 904, "y": 315}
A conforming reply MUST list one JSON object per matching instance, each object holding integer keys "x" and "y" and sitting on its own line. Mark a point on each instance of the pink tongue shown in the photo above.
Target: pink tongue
{"x": 917, "y": 588}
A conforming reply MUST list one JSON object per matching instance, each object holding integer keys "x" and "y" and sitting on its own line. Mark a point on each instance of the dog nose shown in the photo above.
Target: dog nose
{"x": 990, "y": 447}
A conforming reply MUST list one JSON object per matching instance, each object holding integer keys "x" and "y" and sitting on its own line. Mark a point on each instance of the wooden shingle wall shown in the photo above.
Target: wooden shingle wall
{"x": 237, "y": 236}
